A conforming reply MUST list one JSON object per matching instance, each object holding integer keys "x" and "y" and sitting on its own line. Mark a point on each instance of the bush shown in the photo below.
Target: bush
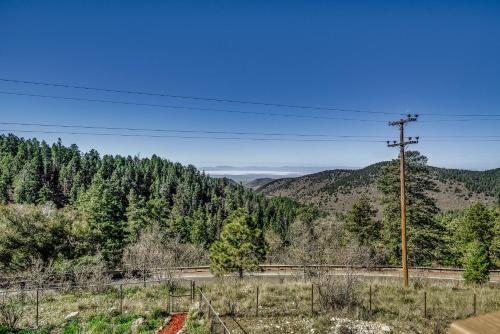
{"x": 11, "y": 311}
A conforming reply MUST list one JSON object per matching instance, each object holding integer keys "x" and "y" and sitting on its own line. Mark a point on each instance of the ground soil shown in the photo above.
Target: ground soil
{"x": 175, "y": 324}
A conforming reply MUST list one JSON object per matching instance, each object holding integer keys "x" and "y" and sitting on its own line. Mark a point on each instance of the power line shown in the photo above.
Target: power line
{"x": 164, "y": 106}
{"x": 226, "y": 100}
{"x": 187, "y": 131}
{"x": 189, "y": 97}
{"x": 189, "y": 137}
{"x": 352, "y": 139}
{"x": 76, "y": 126}
{"x": 189, "y": 108}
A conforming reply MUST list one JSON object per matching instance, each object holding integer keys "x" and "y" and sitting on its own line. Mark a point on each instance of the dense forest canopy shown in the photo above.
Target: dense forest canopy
{"x": 119, "y": 196}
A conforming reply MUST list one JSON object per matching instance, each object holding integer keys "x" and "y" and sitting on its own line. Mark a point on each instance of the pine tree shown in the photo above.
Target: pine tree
{"x": 424, "y": 233}
{"x": 137, "y": 215}
{"x": 241, "y": 248}
{"x": 102, "y": 208}
{"x": 361, "y": 223}
{"x": 477, "y": 264}
{"x": 476, "y": 237}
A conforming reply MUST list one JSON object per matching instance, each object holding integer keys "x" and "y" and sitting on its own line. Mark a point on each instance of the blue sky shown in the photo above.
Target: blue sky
{"x": 423, "y": 57}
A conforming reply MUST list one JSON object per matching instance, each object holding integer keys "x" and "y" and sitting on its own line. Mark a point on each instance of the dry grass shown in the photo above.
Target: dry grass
{"x": 288, "y": 305}
{"x": 284, "y": 306}
{"x": 150, "y": 303}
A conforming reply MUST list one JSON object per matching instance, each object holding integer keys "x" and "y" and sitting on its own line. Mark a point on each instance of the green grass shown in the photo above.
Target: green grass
{"x": 98, "y": 310}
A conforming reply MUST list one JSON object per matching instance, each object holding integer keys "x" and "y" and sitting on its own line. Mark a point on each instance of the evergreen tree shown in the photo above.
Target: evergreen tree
{"x": 477, "y": 263}
{"x": 476, "y": 236}
{"x": 424, "y": 233}
{"x": 183, "y": 202}
{"x": 137, "y": 215}
{"x": 241, "y": 247}
{"x": 361, "y": 223}
{"x": 28, "y": 183}
{"x": 102, "y": 208}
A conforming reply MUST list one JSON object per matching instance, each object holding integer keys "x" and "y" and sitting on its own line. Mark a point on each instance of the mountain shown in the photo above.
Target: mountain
{"x": 257, "y": 183}
{"x": 246, "y": 174}
{"x": 338, "y": 189}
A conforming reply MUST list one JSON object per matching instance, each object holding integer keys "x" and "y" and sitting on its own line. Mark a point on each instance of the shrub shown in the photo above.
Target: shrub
{"x": 11, "y": 311}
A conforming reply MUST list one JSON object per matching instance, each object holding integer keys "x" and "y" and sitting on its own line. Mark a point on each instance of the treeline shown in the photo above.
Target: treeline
{"x": 117, "y": 197}
{"x": 487, "y": 182}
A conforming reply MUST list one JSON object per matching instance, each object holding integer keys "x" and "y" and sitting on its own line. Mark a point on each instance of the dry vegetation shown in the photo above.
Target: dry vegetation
{"x": 93, "y": 310}
{"x": 285, "y": 307}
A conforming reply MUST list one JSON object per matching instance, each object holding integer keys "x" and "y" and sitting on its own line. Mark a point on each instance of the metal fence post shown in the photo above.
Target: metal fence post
{"x": 425, "y": 304}
{"x": 312, "y": 298}
{"x": 474, "y": 303}
{"x": 370, "y": 307}
{"x": 37, "y": 304}
{"x": 257, "y": 303}
{"x": 169, "y": 301}
{"x": 121, "y": 298}
{"x": 192, "y": 291}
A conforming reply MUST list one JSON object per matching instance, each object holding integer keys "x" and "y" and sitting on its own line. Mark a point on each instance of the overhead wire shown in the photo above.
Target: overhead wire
{"x": 186, "y": 137}
{"x": 227, "y": 100}
{"x": 77, "y": 126}
{"x": 193, "y": 97}
{"x": 164, "y": 106}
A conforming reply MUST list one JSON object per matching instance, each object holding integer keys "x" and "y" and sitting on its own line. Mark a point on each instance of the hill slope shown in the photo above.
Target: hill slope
{"x": 257, "y": 183}
{"x": 338, "y": 189}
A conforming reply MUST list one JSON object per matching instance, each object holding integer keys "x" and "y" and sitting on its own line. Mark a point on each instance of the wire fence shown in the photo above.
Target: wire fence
{"x": 54, "y": 306}
{"x": 215, "y": 322}
{"x": 57, "y": 279}
{"x": 246, "y": 302}
{"x": 248, "y": 299}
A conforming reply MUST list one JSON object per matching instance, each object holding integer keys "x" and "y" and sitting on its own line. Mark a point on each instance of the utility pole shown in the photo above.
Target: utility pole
{"x": 402, "y": 143}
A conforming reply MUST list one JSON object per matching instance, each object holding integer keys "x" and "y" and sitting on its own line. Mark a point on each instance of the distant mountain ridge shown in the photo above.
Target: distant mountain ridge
{"x": 338, "y": 189}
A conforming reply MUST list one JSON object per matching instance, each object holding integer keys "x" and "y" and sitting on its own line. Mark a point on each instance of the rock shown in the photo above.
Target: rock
{"x": 135, "y": 325}
{"x": 71, "y": 315}
{"x": 385, "y": 328}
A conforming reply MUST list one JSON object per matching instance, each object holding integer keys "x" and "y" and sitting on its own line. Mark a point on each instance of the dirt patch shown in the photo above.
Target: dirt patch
{"x": 175, "y": 324}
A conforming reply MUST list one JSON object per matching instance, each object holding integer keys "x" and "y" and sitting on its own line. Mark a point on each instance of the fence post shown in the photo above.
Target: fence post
{"x": 121, "y": 298}
{"x": 192, "y": 291}
{"x": 257, "y": 303}
{"x": 370, "y": 307}
{"x": 425, "y": 304}
{"x": 474, "y": 303}
{"x": 37, "y": 303}
{"x": 312, "y": 298}
{"x": 209, "y": 310}
{"x": 169, "y": 302}
{"x": 144, "y": 277}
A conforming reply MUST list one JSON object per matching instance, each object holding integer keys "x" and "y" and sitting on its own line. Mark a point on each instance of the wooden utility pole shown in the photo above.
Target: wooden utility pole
{"x": 402, "y": 143}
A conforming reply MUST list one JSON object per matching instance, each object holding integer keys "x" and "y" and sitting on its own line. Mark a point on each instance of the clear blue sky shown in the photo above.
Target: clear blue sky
{"x": 390, "y": 56}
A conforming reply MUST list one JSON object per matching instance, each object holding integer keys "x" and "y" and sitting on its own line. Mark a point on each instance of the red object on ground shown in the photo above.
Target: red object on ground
{"x": 175, "y": 324}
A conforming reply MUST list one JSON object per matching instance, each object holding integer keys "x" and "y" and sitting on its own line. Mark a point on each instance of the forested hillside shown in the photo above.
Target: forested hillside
{"x": 117, "y": 197}
{"x": 339, "y": 189}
